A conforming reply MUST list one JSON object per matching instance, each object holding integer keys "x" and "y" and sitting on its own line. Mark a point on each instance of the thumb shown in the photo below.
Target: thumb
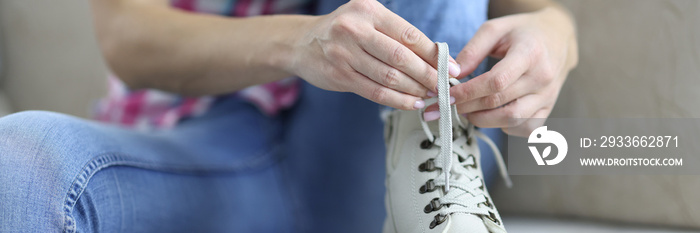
{"x": 481, "y": 45}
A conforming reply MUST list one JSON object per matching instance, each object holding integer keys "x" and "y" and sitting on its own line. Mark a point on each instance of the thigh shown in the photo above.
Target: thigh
{"x": 217, "y": 172}
{"x": 130, "y": 199}
{"x": 335, "y": 162}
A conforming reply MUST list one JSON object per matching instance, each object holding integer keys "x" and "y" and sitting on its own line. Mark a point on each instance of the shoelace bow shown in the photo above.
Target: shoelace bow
{"x": 466, "y": 180}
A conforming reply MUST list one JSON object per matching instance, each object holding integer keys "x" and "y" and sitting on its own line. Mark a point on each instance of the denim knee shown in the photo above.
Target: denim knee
{"x": 34, "y": 138}
{"x": 26, "y": 140}
{"x": 34, "y": 174}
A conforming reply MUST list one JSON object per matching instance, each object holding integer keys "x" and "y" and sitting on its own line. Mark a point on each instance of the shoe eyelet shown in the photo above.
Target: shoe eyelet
{"x": 433, "y": 206}
{"x": 429, "y": 186}
{"x": 475, "y": 162}
{"x": 493, "y": 218}
{"x": 469, "y": 141}
{"x": 426, "y": 144}
{"x": 427, "y": 166}
{"x": 488, "y": 203}
{"x": 439, "y": 219}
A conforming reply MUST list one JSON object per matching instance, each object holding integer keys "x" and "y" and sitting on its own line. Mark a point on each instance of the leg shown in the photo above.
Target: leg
{"x": 59, "y": 173}
{"x": 335, "y": 165}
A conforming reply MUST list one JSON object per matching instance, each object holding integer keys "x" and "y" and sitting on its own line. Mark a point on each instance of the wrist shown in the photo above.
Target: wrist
{"x": 282, "y": 49}
{"x": 564, "y": 23}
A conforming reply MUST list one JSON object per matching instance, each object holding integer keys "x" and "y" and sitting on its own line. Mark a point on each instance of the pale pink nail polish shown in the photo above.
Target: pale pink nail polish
{"x": 452, "y": 100}
{"x": 431, "y": 94}
{"x": 431, "y": 116}
{"x": 419, "y": 104}
{"x": 454, "y": 69}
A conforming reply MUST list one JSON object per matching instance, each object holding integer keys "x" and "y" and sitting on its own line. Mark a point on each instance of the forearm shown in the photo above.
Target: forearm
{"x": 558, "y": 17}
{"x": 150, "y": 45}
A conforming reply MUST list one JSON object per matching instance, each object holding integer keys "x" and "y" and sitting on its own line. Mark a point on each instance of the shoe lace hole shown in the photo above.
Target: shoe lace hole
{"x": 429, "y": 186}
{"x": 426, "y": 144}
{"x": 427, "y": 166}
{"x": 439, "y": 219}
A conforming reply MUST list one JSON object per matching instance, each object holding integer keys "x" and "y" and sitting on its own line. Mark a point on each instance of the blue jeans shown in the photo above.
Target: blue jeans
{"x": 316, "y": 168}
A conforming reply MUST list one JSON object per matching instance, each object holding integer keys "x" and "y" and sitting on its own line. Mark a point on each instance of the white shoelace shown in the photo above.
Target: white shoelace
{"x": 465, "y": 180}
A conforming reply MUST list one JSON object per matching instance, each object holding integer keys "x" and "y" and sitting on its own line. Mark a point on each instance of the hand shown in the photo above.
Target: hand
{"x": 537, "y": 49}
{"x": 364, "y": 48}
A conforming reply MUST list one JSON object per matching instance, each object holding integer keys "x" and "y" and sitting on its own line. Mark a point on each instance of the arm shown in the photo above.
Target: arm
{"x": 150, "y": 45}
{"x": 536, "y": 42}
{"x": 361, "y": 47}
{"x": 558, "y": 14}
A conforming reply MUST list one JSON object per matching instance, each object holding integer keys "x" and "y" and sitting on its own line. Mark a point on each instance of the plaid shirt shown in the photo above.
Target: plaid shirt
{"x": 157, "y": 109}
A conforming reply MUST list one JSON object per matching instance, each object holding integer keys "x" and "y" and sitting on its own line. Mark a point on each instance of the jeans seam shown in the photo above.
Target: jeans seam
{"x": 265, "y": 159}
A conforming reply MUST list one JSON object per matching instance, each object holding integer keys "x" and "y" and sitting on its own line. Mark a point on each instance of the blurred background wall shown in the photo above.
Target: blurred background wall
{"x": 51, "y": 57}
{"x": 638, "y": 58}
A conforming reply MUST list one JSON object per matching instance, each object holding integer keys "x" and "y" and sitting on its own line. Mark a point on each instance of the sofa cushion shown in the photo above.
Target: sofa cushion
{"x": 530, "y": 224}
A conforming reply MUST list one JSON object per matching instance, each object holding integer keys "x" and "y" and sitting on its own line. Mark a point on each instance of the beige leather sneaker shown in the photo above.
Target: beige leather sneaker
{"x": 434, "y": 180}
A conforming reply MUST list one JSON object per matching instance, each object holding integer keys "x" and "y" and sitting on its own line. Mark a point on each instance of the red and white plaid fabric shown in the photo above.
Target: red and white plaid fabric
{"x": 157, "y": 109}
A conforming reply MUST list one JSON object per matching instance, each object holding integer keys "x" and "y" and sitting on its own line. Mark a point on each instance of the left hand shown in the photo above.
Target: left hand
{"x": 538, "y": 50}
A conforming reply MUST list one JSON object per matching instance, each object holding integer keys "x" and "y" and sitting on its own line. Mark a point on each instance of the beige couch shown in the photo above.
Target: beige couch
{"x": 51, "y": 57}
{"x": 639, "y": 58}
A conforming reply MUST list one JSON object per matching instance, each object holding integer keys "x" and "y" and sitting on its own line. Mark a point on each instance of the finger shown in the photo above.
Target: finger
{"x": 388, "y": 76}
{"x": 373, "y": 91}
{"x": 524, "y": 129}
{"x": 408, "y": 35}
{"x": 436, "y": 107}
{"x": 501, "y": 117}
{"x": 432, "y": 113}
{"x": 402, "y": 58}
{"x": 481, "y": 45}
{"x": 500, "y": 77}
{"x": 524, "y": 86}
{"x": 432, "y": 108}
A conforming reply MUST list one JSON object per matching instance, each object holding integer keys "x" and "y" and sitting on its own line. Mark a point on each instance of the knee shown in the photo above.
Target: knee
{"x": 32, "y": 170}
{"x": 27, "y": 120}
{"x": 22, "y": 136}
{"x": 30, "y": 130}
{"x": 33, "y": 143}
{"x": 40, "y": 154}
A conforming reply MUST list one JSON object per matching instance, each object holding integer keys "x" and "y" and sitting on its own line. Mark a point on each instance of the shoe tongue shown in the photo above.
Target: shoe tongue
{"x": 460, "y": 223}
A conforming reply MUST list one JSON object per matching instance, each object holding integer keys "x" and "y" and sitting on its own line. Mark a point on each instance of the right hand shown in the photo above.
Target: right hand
{"x": 364, "y": 48}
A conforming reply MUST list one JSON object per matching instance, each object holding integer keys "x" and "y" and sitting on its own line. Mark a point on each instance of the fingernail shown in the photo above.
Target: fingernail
{"x": 431, "y": 94}
{"x": 454, "y": 69}
{"x": 452, "y": 100}
{"x": 431, "y": 116}
{"x": 419, "y": 104}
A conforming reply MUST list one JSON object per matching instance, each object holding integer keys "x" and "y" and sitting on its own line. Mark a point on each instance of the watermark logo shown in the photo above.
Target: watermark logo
{"x": 542, "y": 135}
